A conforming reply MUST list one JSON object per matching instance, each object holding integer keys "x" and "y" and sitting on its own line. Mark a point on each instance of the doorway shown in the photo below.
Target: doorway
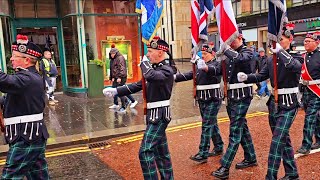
{"x": 45, "y": 38}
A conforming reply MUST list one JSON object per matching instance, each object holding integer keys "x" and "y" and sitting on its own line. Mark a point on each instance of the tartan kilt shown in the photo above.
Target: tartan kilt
{"x": 26, "y": 159}
{"x": 280, "y": 122}
{"x": 210, "y": 129}
{"x": 239, "y": 132}
{"x": 154, "y": 152}
{"x": 311, "y": 103}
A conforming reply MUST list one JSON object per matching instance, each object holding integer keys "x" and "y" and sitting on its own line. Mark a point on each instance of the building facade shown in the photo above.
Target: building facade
{"x": 76, "y": 31}
{"x": 252, "y": 18}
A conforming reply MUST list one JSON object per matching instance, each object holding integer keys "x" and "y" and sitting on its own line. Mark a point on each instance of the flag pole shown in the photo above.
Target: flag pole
{"x": 275, "y": 75}
{"x": 143, "y": 81}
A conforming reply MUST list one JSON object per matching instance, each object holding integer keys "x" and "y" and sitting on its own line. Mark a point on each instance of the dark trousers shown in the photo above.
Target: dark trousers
{"x": 26, "y": 160}
{"x": 311, "y": 103}
{"x": 154, "y": 152}
{"x": 280, "y": 122}
{"x": 210, "y": 129}
{"x": 239, "y": 132}
{"x": 123, "y": 98}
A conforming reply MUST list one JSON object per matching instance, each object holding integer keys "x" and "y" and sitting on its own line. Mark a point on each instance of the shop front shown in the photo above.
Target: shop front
{"x": 75, "y": 31}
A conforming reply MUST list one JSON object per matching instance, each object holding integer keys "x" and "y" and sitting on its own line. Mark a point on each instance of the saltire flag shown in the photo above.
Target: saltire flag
{"x": 151, "y": 12}
{"x": 277, "y": 16}
{"x": 200, "y": 10}
{"x": 226, "y": 21}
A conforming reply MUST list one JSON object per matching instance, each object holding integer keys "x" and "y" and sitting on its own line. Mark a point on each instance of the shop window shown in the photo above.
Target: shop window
{"x": 5, "y": 23}
{"x": 46, "y": 9}
{"x": 68, "y": 7}
{"x": 24, "y": 8}
{"x": 71, "y": 45}
{"x": 4, "y": 7}
{"x": 103, "y": 31}
{"x": 112, "y": 7}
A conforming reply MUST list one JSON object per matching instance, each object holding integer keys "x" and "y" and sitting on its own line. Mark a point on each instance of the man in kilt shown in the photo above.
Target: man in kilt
{"x": 25, "y": 131}
{"x": 154, "y": 151}
{"x": 239, "y": 97}
{"x": 208, "y": 78}
{"x": 281, "y": 115}
{"x": 310, "y": 76}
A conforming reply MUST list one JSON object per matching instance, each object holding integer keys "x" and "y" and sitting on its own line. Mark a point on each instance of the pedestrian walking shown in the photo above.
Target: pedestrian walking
{"x": 262, "y": 61}
{"x": 239, "y": 97}
{"x": 281, "y": 116}
{"x": 118, "y": 69}
{"x": 154, "y": 151}
{"x": 25, "y": 130}
{"x": 310, "y": 76}
{"x": 209, "y": 97}
{"x": 50, "y": 73}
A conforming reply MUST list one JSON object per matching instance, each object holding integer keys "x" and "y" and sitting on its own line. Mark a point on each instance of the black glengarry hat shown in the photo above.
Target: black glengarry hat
{"x": 23, "y": 45}
{"x": 159, "y": 44}
{"x": 208, "y": 47}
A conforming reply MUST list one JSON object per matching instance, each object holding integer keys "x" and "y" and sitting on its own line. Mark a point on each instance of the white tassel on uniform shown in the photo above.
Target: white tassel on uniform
{"x": 291, "y": 102}
{"x": 37, "y": 133}
{"x": 7, "y": 131}
{"x": 287, "y": 100}
{"x": 283, "y": 103}
{"x": 25, "y": 129}
{"x": 238, "y": 93}
{"x": 232, "y": 93}
{"x": 10, "y": 132}
{"x": 30, "y": 137}
{"x": 157, "y": 112}
{"x": 15, "y": 130}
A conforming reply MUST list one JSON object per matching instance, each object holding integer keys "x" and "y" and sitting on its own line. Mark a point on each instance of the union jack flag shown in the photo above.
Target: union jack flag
{"x": 200, "y": 10}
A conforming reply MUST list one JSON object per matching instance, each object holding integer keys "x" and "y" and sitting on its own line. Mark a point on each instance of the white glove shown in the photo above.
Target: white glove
{"x": 145, "y": 58}
{"x": 242, "y": 77}
{"x": 201, "y": 64}
{"x": 110, "y": 92}
{"x": 277, "y": 49}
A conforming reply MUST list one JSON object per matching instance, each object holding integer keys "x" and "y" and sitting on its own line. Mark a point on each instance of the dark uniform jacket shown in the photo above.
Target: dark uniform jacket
{"x": 262, "y": 62}
{"x": 239, "y": 60}
{"x": 159, "y": 82}
{"x": 25, "y": 96}
{"x": 312, "y": 60}
{"x": 288, "y": 76}
{"x": 213, "y": 76}
{"x": 118, "y": 67}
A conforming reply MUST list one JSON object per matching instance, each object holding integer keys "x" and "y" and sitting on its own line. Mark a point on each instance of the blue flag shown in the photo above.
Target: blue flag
{"x": 277, "y": 16}
{"x": 151, "y": 13}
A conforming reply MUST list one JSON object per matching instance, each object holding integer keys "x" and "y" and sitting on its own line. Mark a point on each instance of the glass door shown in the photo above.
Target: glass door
{"x": 45, "y": 38}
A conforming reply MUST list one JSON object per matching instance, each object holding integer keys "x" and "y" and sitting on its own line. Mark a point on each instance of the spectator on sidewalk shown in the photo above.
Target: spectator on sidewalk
{"x": 50, "y": 73}
{"x": 118, "y": 76}
{"x": 262, "y": 61}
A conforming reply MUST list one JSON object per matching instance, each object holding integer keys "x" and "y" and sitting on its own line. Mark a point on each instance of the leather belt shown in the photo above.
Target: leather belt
{"x": 306, "y": 83}
{"x": 287, "y": 90}
{"x": 238, "y": 85}
{"x": 158, "y": 104}
{"x": 209, "y": 86}
{"x": 23, "y": 119}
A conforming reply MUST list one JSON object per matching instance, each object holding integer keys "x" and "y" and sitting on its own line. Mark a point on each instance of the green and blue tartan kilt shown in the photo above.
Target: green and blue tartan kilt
{"x": 210, "y": 129}
{"x": 154, "y": 152}
{"x": 25, "y": 159}
{"x": 239, "y": 132}
{"x": 280, "y": 122}
{"x": 311, "y": 103}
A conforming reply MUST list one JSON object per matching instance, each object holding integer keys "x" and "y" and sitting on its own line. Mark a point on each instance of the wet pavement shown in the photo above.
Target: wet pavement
{"x": 78, "y": 120}
{"x": 183, "y": 141}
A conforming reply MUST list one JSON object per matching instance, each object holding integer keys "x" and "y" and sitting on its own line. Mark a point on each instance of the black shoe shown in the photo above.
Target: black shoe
{"x": 286, "y": 177}
{"x": 303, "y": 151}
{"x": 315, "y": 146}
{"x": 199, "y": 158}
{"x": 245, "y": 163}
{"x": 221, "y": 173}
{"x": 215, "y": 152}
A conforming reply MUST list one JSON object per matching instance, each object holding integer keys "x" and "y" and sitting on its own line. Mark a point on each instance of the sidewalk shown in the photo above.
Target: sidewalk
{"x": 77, "y": 120}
